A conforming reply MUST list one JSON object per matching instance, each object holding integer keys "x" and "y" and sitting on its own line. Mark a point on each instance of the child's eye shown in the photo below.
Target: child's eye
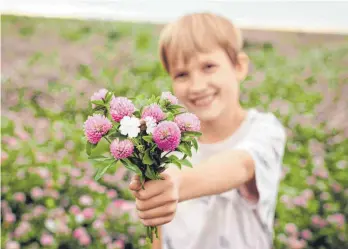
{"x": 209, "y": 67}
{"x": 180, "y": 75}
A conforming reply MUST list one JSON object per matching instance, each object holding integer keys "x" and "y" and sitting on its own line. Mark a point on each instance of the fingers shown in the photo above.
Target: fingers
{"x": 157, "y": 221}
{"x": 157, "y": 201}
{"x": 135, "y": 184}
{"x": 151, "y": 189}
{"x": 162, "y": 211}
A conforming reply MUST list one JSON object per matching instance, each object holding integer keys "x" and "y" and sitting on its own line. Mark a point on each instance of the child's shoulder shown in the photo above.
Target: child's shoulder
{"x": 265, "y": 122}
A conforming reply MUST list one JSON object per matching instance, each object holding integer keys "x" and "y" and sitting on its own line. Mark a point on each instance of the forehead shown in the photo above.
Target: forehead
{"x": 182, "y": 60}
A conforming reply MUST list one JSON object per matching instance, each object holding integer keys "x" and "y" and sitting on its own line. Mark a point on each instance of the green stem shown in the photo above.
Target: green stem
{"x": 166, "y": 154}
{"x": 108, "y": 140}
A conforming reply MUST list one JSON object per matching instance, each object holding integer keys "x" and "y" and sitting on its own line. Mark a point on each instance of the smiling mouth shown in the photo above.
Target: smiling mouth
{"x": 204, "y": 101}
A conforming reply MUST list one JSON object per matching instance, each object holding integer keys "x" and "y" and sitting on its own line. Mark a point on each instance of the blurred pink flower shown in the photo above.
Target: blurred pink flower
{"x": 10, "y": 218}
{"x": 336, "y": 187}
{"x": 142, "y": 242}
{"x": 86, "y": 200}
{"x": 74, "y": 210}
{"x": 85, "y": 240}
{"x": 98, "y": 224}
{"x": 311, "y": 180}
{"x": 300, "y": 201}
{"x": 119, "y": 244}
{"x": 321, "y": 172}
{"x": 12, "y": 245}
{"x": 338, "y": 219}
{"x": 106, "y": 239}
{"x": 95, "y": 127}
{"x": 291, "y": 228}
{"x": 19, "y": 197}
{"x": 43, "y": 173}
{"x": 308, "y": 193}
{"x": 324, "y": 196}
{"x": 111, "y": 193}
{"x": 294, "y": 243}
{"x": 23, "y": 228}
{"x": 46, "y": 239}
{"x": 306, "y": 234}
{"x": 285, "y": 171}
{"x": 88, "y": 213}
{"x": 75, "y": 172}
{"x": 318, "y": 222}
{"x": 4, "y": 156}
{"x": 79, "y": 232}
{"x": 38, "y": 210}
{"x": 26, "y": 217}
{"x": 23, "y": 135}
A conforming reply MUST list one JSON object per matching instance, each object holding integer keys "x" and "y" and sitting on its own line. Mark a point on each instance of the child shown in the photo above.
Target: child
{"x": 228, "y": 198}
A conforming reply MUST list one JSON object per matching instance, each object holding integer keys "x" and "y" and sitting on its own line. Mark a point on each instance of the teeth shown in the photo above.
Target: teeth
{"x": 204, "y": 101}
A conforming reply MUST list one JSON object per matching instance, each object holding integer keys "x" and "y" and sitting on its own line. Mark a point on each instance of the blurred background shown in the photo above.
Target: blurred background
{"x": 55, "y": 54}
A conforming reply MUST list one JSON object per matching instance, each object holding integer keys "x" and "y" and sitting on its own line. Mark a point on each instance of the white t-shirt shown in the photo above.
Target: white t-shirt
{"x": 229, "y": 220}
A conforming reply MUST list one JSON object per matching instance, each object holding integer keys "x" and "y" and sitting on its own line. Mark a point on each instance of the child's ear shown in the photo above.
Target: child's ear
{"x": 242, "y": 66}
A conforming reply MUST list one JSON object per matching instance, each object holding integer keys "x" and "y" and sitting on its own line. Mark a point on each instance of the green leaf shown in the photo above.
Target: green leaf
{"x": 128, "y": 164}
{"x": 170, "y": 116}
{"x": 186, "y": 162}
{"x": 89, "y": 147}
{"x": 147, "y": 159}
{"x": 150, "y": 173}
{"x": 101, "y": 158}
{"x": 98, "y": 102}
{"x": 173, "y": 158}
{"x": 192, "y": 133}
{"x": 177, "y": 163}
{"x": 101, "y": 172}
{"x": 148, "y": 139}
{"x": 182, "y": 148}
{"x": 195, "y": 144}
{"x": 188, "y": 149}
{"x": 137, "y": 114}
{"x": 175, "y": 107}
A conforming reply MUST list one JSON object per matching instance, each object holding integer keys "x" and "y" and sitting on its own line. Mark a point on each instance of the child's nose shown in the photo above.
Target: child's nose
{"x": 198, "y": 83}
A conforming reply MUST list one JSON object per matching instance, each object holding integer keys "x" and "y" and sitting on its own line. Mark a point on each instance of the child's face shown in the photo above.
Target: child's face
{"x": 208, "y": 85}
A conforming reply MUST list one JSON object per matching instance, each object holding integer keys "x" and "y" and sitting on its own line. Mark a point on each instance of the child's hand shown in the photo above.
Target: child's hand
{"x": 157, "y": 203}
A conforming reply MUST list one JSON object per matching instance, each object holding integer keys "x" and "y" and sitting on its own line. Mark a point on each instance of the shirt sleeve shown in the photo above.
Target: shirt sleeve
{"x": 265, "y": 142}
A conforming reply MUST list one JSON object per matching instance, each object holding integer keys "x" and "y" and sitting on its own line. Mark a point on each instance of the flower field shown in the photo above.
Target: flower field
{"x": 51, "y": 68}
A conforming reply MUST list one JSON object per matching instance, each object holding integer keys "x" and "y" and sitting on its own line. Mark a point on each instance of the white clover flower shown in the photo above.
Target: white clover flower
{"x": 130, "y": 126}
{"x": 50, "y": 225}
{"x": 150, "y": 124}
{"x": 79, "y": 218}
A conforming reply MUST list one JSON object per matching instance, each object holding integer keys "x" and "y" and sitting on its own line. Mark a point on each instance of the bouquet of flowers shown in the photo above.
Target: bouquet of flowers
{"x": 142, "y": 133}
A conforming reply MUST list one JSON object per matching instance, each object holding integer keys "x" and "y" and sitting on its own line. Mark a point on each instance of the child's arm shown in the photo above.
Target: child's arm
{"x": 156, "y": 203}
{"x": 222, "y": 172}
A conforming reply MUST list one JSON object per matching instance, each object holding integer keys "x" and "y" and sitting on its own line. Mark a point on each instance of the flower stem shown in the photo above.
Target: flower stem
{"x": 108, "y": 140}
{"x": 166, "y": 154}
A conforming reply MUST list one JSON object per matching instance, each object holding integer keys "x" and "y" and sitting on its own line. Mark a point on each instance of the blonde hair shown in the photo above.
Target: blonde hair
{"x": 198, "y": 32}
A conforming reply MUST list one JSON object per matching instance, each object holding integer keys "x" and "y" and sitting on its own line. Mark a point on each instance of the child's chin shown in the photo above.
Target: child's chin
{"x": 208, "y": 116}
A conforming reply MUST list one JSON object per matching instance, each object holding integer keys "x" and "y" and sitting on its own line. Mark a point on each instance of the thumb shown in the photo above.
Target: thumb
{"x": 135, "y": 184}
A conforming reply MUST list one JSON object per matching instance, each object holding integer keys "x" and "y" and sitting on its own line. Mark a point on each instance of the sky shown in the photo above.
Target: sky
{"x": 312, "y": 16}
